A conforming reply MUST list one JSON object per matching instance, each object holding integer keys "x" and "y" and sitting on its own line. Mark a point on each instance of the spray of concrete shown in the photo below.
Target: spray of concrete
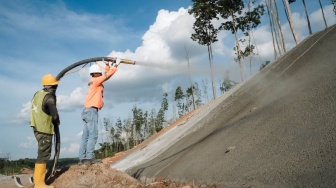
{"x": 169, "y": 67}
{"x": 182, "y": 69}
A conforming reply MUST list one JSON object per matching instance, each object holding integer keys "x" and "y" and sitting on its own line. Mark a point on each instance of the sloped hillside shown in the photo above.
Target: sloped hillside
{"x": 276, "y": 130}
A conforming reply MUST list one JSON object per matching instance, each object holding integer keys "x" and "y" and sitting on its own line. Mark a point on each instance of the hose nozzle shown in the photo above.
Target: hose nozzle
{"x": 126, "y": 61}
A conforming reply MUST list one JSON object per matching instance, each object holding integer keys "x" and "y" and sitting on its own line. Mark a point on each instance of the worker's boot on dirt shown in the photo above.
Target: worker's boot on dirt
{"x": 39, "y": 175}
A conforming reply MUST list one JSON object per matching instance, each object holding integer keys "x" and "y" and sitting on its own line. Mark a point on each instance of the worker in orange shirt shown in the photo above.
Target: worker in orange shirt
{"x": 93, "y": 103}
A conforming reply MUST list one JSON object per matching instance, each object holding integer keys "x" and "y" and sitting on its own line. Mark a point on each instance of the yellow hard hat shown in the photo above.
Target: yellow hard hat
{"x": 49, "y": 80}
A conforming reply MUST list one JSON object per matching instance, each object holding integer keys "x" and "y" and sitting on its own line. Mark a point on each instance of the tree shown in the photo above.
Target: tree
{"x": 4, "y": 159}
{"x": 280, "y": 38}
{"x": 146, "y": 128}
{"x": 104, "y": 151}
{"x": 252, "y": 20}
{"x": 179, "y": 96}
{"x": 290, "y": 20}
{"x": 137, "y": 123}
{"x": 308, "y": 22}
{"x": 227, "y": 83}
{"x": 191, "y": 86}
{"x": 205, "y": 33}
{"x": 333, "y": 2}
{"x": 159, "y": 120}
{"x": 128, "y": 132}
{"x": 118, "y": 133}
{"x": 190, "y": 101}
{"x": 205, "y": 89}
{"x": 108, "y": 127}
{"x": 264, "y": 65}
{"x": 2, "y": 163}
{"x": 164, "y": 104}
{"x": 249, "y": 50}
{"x": 325, "y": 22}
{"x": 232, "y": 11}
{"x": 307, "y": 17}
{"x": 276, "y": 30}
{"x": 198, "y": 93}
{"x": 152, "y": 122}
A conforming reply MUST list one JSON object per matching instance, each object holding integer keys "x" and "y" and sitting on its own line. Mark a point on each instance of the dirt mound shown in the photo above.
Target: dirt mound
{"x": 95, "y": 175}
{"x": 103, "y": 176}
{"x": 26, "y": 171}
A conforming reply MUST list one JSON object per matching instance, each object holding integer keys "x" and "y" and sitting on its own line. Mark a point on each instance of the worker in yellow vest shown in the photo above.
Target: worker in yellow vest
{"x": 43, "y": 118}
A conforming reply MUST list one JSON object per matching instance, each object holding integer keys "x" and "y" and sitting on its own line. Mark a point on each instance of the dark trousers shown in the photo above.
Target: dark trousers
{"x": 44, "y": 142}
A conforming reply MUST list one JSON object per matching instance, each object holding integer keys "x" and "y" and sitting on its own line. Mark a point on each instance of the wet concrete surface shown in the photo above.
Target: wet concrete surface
{"x": 277, "y": 130}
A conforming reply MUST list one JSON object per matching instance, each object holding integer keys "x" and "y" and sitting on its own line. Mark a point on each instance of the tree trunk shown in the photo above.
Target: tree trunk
{"x": 191, "y": 85}
{"x": 127, "y": 141}
{"x": 134, "y": 135}
{"x": 304, "y": 5}
{"x": 249, "y": 37}
{"x": 290, "y": 20}
{"x": 241, "y": 63}
{"x": 174, "y": 112}
{"x": 325, "y": 22}
{"x": 154, "y": 126}
{"x": 271, "y": 25}
{"x": 280, "y": 29}
{"x": 212, "y": 72}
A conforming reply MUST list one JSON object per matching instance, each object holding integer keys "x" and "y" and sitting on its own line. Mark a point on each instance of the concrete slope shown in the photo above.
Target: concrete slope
{"x": 276, "y": 130}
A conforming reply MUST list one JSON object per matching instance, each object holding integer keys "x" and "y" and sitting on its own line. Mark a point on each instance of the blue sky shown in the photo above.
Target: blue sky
{"x": 41, "y": 37}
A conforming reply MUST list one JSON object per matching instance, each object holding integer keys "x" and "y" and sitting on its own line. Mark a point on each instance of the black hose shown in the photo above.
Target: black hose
{"x": 52, "y": 169}
{"x": 62, "y": 73}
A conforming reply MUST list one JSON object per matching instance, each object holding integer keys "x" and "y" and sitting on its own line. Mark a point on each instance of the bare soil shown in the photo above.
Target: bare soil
{"x": 96, "y": 176}
{"x": 103, "y": 176}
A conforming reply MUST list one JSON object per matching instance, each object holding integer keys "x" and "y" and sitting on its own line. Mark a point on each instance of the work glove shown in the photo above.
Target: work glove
{"x": 117, "y": 62}
{"x": 107, "y": 63}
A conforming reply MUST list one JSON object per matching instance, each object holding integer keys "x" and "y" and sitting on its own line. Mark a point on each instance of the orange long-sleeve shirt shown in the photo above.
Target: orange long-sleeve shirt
{"x": 94, "y": 97}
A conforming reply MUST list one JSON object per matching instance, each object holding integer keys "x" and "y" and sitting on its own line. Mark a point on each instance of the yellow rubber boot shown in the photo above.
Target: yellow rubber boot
{"x": 39, "y": 175}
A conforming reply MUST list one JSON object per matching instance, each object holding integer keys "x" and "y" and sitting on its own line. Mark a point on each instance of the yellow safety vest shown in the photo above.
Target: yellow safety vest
{"x": 39, "y": 119}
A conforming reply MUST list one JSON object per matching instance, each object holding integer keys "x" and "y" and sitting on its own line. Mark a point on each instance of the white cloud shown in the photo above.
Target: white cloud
{"x": 74, "y": 100}
{"x": 29, "y": 143}
{"x": 171, "y": 30}
{"x": 73, "y": 148}
{"x": 157, "y": 59}
{"x": 23, "y": 116}
{"x": 79, "y": 135}
{"x": 64, "y": 103}
{"x": 316, "y": 18}
{"x": 69, "y": 24}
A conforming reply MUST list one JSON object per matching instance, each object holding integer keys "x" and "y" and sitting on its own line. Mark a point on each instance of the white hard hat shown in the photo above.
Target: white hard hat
{"x": 95, "y": 69}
